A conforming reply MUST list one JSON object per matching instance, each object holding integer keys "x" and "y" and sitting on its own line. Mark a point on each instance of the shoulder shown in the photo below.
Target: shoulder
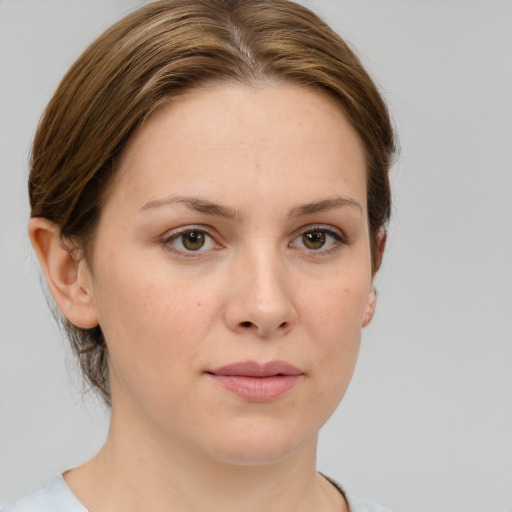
{"x": 54, "y": 497}
{"x": 355, "y": 504}
{"x": 358, "y": 505}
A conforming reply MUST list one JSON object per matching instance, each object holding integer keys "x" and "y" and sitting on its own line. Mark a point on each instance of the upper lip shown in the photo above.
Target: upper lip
{"x": 255, "y": 369}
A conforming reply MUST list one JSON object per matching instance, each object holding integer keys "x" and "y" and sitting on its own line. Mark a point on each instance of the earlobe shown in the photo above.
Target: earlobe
{"x": 67, "y": 276}
{"x": 370, "y": 307}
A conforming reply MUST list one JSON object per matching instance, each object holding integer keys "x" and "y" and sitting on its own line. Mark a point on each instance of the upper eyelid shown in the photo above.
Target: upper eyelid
{"x": 173, "y": 233}
{"x": 322, "y": 227}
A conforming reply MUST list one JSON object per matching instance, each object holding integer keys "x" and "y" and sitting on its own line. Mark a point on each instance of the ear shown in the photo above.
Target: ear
{"x": 67, "y": 275}
{"x": 370, "y": 306}
{"x": 372, "y": 294}
{"x": 379, "y": 250}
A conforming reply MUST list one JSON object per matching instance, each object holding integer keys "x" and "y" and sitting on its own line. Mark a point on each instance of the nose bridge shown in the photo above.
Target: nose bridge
{"x": 262, "y": 299}
{"x": 269, "y": 283}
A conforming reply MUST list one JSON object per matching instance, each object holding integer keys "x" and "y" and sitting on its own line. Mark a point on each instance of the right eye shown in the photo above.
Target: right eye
{"x": 189, "y": 240}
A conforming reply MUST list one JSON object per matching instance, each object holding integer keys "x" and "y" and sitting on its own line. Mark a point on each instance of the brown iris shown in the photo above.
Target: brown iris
{"x": 314, "y": 239}
{"x": 193, "y": 240}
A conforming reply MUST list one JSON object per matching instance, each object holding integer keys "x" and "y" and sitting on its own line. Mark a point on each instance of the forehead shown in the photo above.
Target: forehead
{"x": 224, "y": 139}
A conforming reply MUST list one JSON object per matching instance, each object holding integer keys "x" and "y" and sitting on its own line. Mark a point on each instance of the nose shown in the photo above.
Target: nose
{"x": 260, "y": 297}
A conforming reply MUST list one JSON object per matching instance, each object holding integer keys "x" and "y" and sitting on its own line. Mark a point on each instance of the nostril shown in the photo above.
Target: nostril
{"x": 247, "y": 324}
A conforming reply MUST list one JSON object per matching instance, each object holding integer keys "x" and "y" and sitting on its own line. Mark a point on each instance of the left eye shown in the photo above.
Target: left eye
{"x": 317, "y": 240}
{"x": 193, "y": 240}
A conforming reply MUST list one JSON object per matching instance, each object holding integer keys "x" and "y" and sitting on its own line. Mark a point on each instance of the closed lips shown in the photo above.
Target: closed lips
{"x": 256, "y": 382}
{"x": 254, "y": 369}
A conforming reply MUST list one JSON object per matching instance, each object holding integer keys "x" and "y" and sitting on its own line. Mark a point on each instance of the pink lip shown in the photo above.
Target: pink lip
{"x": 257, "y": 382}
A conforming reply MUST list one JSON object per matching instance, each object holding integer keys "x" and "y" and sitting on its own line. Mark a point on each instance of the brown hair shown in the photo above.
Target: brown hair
{"x": 158, "y": 52}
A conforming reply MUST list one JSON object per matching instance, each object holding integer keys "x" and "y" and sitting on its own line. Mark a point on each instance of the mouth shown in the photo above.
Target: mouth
{"x": 257, "y": 382}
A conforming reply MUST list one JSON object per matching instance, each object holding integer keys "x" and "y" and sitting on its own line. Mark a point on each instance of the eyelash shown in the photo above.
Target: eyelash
{"x": 176, "y": 234}
{"x": 339, "y": 239}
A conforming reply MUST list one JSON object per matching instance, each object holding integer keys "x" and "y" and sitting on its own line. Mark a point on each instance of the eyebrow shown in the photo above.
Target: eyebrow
{"x": 325, "y": 205}
{"x": 197, "y": 204}
{"x": 209, "y": 207}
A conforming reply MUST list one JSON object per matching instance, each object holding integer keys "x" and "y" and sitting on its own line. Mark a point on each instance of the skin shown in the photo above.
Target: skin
{"x": 256, "y": 290}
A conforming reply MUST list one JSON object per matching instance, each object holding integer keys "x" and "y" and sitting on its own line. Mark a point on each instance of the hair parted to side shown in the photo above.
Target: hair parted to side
{"x": 158, "y": 52}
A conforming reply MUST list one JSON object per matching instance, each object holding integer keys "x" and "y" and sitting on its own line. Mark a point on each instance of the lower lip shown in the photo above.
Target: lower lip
{"x": 257, "y": 389}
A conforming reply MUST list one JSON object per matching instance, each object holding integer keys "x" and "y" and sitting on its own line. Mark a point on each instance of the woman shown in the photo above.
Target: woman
{"x": 209, "y": 193}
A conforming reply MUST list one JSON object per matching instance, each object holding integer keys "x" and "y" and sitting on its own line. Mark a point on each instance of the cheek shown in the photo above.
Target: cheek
{"x": 157, "y": 333}
{"x": 153, "y": 321}
{"x": 336, "y": 305}
{"x": 335, "y": 315}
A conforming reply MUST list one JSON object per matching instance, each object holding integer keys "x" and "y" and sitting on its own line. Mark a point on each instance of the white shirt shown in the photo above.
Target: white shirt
{"x": 56, "y": 496}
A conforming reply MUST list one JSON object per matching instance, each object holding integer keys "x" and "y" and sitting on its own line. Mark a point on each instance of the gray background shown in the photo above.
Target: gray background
{"x": 427, "y": 422}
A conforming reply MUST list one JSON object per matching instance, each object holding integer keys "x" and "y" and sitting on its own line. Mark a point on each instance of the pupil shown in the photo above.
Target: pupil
{"x": 314, "y": 240}
{"x": 193, "y": 240}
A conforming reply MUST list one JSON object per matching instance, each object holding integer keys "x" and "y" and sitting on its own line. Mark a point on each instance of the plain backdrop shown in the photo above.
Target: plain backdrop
{"x": 427, "y": 422}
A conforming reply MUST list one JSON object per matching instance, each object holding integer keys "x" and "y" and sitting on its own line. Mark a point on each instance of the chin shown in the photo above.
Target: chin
{"x": 259, "y": 446}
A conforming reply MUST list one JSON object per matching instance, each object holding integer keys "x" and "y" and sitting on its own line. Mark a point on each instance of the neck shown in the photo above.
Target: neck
{"x": 140, "y": 467}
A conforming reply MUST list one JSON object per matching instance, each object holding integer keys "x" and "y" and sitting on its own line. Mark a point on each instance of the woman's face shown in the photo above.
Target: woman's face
{"x": 231, "y": 270}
